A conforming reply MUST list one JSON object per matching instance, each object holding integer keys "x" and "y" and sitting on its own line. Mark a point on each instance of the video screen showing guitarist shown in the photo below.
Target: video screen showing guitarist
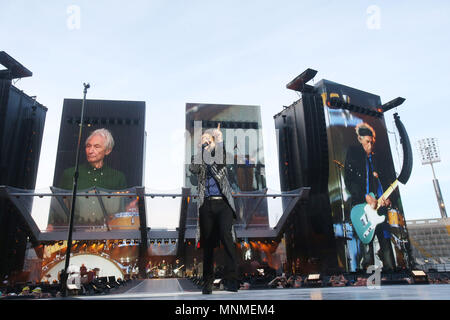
{"x": 366, "y": 183}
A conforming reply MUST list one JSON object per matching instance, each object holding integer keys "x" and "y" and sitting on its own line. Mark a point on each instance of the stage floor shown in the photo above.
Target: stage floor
{"x": 182, "y": 289}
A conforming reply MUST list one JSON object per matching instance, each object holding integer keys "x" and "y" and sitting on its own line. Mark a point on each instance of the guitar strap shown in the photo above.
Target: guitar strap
{"x": 386, "y": 233}
{"x": 368, "y": 172}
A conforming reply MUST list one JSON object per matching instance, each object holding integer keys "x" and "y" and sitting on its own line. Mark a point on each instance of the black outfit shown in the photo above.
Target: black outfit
{"x": 360, "y": 180}
{"x": 216, "y": 214}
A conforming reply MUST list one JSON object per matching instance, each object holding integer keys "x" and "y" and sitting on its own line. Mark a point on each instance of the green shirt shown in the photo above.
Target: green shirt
{"x": 105, "y": 177}
{"x": 88, "y": 211}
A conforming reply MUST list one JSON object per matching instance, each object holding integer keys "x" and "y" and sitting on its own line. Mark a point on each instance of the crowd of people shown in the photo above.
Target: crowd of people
{"x": 90, "y": 283}
{"x": 83, "y": 281}
{"x": 261, "y": 281}
{"x": 26, "y": 292}
{"x": 438, "y": 278}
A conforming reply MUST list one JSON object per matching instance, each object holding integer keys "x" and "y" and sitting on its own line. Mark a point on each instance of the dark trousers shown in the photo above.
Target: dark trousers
{"x": 216, "y": 219}
{"x": 385, "y": 253}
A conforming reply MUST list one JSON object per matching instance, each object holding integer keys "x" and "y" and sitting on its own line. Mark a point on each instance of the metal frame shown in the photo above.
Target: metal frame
{"x": 144, "y": 233}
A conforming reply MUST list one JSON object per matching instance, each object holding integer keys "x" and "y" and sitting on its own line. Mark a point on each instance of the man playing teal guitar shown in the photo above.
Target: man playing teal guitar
{"x": 366, "y": 182}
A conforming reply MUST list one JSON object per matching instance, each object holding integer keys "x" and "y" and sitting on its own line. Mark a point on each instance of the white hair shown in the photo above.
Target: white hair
{"x": 109, "y": 140}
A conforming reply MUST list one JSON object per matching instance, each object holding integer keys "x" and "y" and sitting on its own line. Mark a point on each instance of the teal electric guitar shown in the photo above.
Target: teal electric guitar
{"x": 365, "y": 219}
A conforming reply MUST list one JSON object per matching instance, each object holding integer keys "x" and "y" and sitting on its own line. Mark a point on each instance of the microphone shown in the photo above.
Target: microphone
{"x": 205, "y": 145}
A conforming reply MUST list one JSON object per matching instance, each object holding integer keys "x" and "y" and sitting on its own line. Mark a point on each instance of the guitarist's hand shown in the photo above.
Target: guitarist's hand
{"x": 374, "y": 203}
{"x": 371, "y": 201}
{"x": 385, "y": 202}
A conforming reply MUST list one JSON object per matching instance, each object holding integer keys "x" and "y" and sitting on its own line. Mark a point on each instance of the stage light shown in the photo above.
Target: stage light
{"x": 314, "y": 277}
{"x": 392, "y": 104}
{"x": 418, "y": 273}
{"x": 419, "y": 277}
{"x": 72, "y": 287}
{"x": 299, "y": 82}
{"x": 217, "y": 282}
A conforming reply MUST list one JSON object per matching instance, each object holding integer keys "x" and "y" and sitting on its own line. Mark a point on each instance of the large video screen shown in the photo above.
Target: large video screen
{"x": 111, "y": 160}
{"x": 369, "y": 223}
{"x": 242, "y": 134}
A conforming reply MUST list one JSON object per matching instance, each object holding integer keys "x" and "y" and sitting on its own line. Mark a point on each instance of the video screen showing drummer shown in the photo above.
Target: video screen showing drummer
{"x": 95, "y": 174}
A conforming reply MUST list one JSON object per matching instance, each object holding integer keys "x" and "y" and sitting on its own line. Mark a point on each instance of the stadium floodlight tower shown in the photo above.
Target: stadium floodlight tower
{"x": 429, "y": 153}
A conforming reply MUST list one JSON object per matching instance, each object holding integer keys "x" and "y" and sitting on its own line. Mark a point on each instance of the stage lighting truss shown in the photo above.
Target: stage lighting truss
{"x": 17, "y": 195}
{"x": 339, "y": 103}
{"x": 135, "y": 195}
{"x": 299, "y": 82}
{"x": 392, "y": 104}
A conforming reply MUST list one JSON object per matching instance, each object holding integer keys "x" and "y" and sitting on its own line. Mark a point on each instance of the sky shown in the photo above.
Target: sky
{"x": 169, "y": 53}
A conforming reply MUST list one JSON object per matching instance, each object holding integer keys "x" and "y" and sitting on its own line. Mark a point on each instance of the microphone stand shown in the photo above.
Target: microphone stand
{"x": 64, "y": 276}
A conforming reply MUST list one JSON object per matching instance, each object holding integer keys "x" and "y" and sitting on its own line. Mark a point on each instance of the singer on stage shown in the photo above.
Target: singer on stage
{"x": 216, "y": 208}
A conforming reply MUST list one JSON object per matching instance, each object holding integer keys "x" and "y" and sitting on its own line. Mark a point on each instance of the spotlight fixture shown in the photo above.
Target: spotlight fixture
{"x": 338, "y": 103}
{"x": 392, "y": 104}
{"x": 313, "y": 277}
{"x": 299, "y": 82}
{"x": 419, "y": 277}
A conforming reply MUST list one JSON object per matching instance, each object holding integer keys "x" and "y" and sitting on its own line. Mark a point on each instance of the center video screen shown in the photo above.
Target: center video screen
{"x": 242, "y": 136}
{"x": 111, "y": 160}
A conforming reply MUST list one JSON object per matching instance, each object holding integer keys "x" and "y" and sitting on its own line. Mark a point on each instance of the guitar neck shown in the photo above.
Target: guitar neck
{"x": 388, "y": 192}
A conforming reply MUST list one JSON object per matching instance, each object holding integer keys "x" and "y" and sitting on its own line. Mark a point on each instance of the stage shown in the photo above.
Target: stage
{"x": 182, "y": 289}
